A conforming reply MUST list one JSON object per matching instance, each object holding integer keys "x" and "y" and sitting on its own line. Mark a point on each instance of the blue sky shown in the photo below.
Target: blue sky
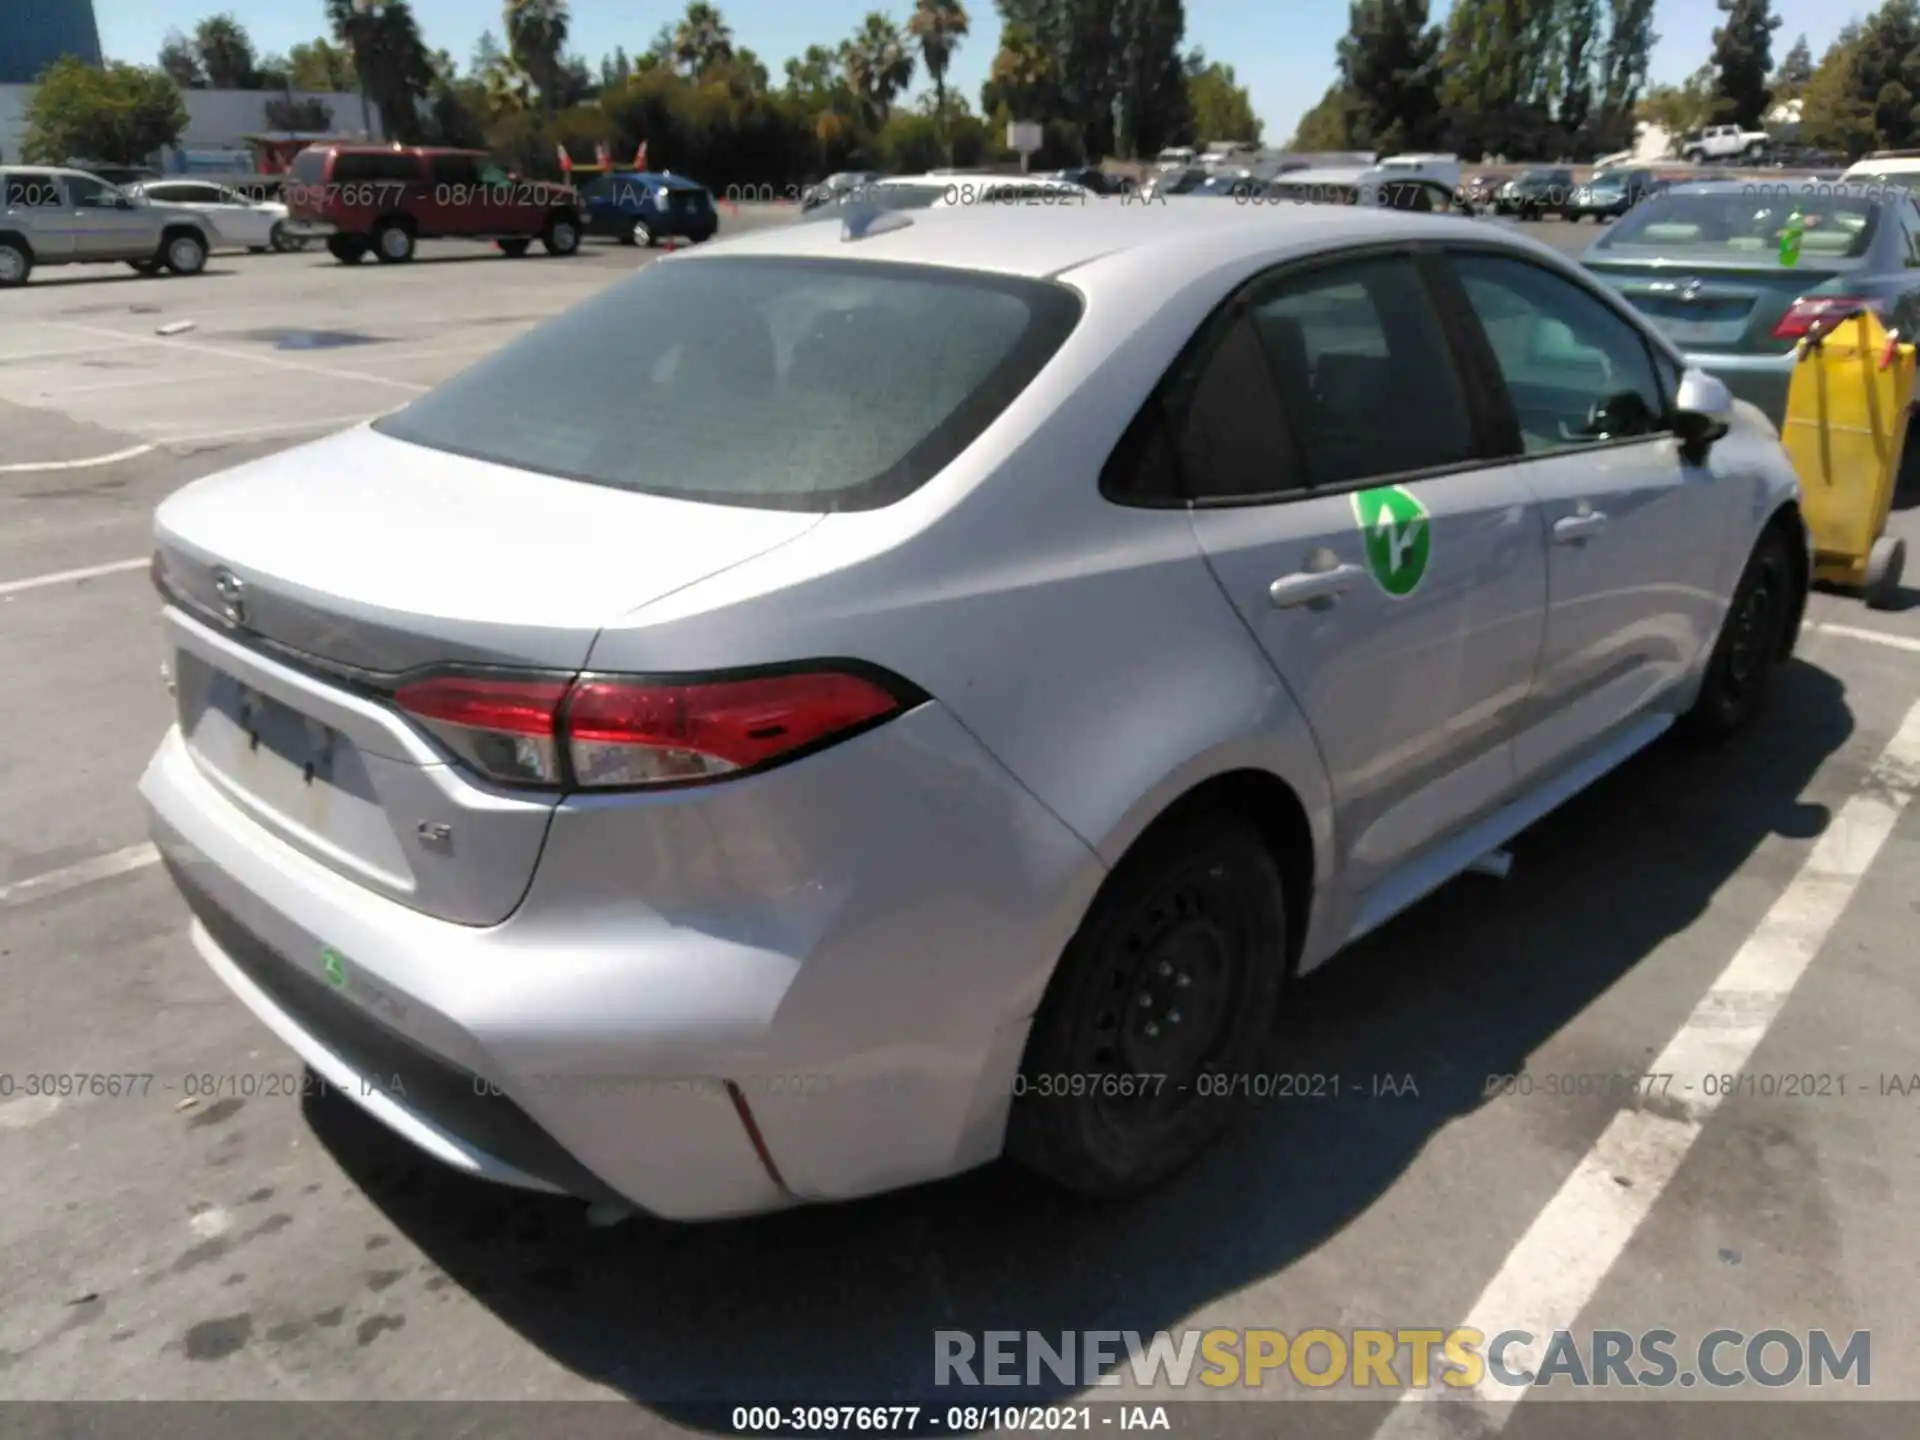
{"x": 1283, "y": 53}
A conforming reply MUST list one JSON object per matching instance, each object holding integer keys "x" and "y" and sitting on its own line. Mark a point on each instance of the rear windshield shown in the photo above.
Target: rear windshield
{"x": 814, "y": 385}
{"x": 1750, "y": 221}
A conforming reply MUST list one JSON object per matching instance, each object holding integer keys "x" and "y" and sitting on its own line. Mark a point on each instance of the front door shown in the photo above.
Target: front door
{"x": 1638, "y": 538}
{"x": 106, "y": 225}
{"x": 1396, "y": 584}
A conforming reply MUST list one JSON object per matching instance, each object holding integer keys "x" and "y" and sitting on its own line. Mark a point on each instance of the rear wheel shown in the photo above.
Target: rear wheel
{"x": 1752, "y": 643}
{"x": 185, "y": 253}
{"x": 393, "y": 242}
{"x": 16, "y": 263}
{"x": 1886, "y": 564}
{"x": 1165, "y": 995}
{"x": 347, "y": 249}
{"x": 144, "y": 267}
{"x": 641, "y": 234}
{"x": 513, "y": 248}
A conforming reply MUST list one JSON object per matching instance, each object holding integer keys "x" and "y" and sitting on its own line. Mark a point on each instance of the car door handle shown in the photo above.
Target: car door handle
{"x": 1308, "y": 586}
{"x": 1572, "y": 529}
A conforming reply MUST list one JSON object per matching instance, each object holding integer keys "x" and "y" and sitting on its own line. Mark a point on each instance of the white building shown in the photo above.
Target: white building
{"x": 218, "y": 122}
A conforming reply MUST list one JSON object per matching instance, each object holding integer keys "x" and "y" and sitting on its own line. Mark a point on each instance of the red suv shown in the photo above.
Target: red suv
{"x": 368, "y": 198}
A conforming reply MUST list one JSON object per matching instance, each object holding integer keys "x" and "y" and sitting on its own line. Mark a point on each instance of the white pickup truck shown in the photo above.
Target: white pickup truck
{"x": 1725, "y": 142}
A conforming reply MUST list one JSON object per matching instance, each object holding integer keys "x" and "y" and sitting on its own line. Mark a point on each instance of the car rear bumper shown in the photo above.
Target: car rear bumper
{"x": 717, "y": 1008}
{"x": 1761, "y": 379}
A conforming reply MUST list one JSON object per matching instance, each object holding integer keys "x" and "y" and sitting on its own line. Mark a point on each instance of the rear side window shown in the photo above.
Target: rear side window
{"x": 810, "y": 385}
{"x": 309, "y": 167}
{"x": 453, "y": 170}
{"x": 360, "y": 165}
{"x": 32, "y": 192}
{"x": 1365, "y": 371}
{"x": 1227, "y": 439}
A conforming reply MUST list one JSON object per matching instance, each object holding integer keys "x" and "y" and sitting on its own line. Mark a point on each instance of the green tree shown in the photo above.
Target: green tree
{"x": 616, "y": 69}
{"x": 1222, "y": 109}
{"x": 1624, "y": 62}
{"x": 389, "y": 55}
{"x": 1684, "y": 108}
{"x": 1834, "y": 114}
{"x": 1151, "y": 78}
{"x": 321, "y": 65}
{"x": 1796, "y": 70}
{"x": 274, "y": 72}
{"x": 1743, "y": 59}
{"x": 181, "y": 62}
{"x": 1390, "y": 62}
{"x": 1023, "y": 78}
{"x": 938, "y": 26}
{"x": 701, "y": 39}
{"x": 117, "y": 113}
{"x": 536, "y": 33}
{"x": 878, "y": 66}
{"x": 1888, "y": 76}
{"x": 226, "y": 53}
{"x": 1332, "y": 124}
{"x": 1579, "y": 26}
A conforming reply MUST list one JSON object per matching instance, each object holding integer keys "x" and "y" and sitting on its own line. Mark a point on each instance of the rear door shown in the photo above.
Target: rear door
{"x": 1638, "y": 539}
{"x": 459, "y": 203}
{"x": 103, "y": 230}
{"x": 1396, "y": 584}
{"x": 36, "y": 205}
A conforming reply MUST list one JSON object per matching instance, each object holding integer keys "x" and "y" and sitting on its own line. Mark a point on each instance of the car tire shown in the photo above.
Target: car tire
{"x": 144, "y": 267}
{"x": 513, "y": 249}
{"x": 277, "y": 238}
{"x": 347, "y": 249}
{"x": 641, "y": 234}
{"x": 1193, "y": 917}
{"x": 562, "y": 236}
{"x": 393, "y": 242}
{"x": 1886, "y": 564}
{"x": 184, "y": 253}
{"x": 1753, "y": 643}
{"x": 16, "y": 263}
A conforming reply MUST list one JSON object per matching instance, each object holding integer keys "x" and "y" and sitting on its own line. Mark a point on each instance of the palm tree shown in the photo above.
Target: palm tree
{"x": 878, "y": 65}
{"x": 701, "y": 38}
{"x": 939, "y": 26}
{"x": 536, "y": 35}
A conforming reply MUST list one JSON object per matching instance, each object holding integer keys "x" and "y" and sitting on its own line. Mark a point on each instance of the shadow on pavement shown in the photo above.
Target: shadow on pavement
{"x": 839, "y": 1303}
{"x": 42, "y": 280}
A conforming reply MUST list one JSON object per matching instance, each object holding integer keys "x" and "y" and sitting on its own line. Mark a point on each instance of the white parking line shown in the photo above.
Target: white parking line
{"x": 254, "y": 358}
{"x": 72, "y": 877}
{"x": 1559, "y": 1263}
{"x": 34, "y": 467}
{"x": 1874, "y": 637}
{"x": 63, "y": 577}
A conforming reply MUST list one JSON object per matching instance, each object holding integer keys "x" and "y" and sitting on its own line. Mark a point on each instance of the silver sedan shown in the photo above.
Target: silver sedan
{"x": 856, "y": 701}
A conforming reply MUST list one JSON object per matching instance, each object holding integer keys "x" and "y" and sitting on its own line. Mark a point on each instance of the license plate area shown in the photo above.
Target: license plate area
{"x": 299, "y": 741}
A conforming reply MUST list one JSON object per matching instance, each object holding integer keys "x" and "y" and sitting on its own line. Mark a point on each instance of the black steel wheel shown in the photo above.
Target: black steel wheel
{"x": 1752, "y": 644}
{"x": 1160, "y": 1008}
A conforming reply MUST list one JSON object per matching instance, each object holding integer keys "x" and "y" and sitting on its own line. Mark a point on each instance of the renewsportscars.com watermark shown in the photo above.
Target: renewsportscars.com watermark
{"x": 1397, "y": 1359}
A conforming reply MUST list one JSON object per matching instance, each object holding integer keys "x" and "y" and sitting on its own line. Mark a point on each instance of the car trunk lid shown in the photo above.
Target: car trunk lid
{"x": 1724, "y": 305}
{"x": 306, "y": 583}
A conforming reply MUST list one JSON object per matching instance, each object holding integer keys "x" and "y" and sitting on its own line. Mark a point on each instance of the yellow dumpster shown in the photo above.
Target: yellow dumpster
{"x": 1847, "y": 414}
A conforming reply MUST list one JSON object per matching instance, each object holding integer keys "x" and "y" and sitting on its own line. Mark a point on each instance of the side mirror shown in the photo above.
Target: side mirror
{"x": 1704, "y": 413}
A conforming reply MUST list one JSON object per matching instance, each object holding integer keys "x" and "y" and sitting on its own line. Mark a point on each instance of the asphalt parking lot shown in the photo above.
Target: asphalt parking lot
{"x": 168, "y": 1246}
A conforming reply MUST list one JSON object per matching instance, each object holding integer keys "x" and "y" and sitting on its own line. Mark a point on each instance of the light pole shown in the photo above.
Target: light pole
{"x": 368, "y": 10}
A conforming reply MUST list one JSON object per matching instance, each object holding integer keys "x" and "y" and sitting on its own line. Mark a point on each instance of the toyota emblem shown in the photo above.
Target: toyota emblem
{"x": 233, "y": 595}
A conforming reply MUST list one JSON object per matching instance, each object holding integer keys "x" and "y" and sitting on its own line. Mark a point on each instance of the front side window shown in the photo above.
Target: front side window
{"x": 1577, "y": 372}
{"x": 85, "y": 192}
{"x": 1365, "y": 371}
{"x": 780, "y": 384}
{"x": 453, "y": 170}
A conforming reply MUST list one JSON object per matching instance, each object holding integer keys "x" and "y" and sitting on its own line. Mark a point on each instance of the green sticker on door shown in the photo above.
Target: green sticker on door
{"x": 1393, "y": 526}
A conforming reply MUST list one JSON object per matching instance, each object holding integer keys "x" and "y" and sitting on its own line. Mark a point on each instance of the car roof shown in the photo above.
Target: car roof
{"x": 1047, "y": 241}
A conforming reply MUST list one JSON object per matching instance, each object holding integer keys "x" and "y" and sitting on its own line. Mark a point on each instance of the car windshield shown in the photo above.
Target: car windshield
{"x": 790, "y": 384}
{"x": 1749, "y": 222}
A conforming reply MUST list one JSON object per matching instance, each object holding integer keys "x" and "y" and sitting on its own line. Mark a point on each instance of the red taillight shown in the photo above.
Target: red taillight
{"x": 1823, "y": 310}
{"x": 505, "y": 729}
{"x": 623, "y": 732}
{"x": 617, "y": 733}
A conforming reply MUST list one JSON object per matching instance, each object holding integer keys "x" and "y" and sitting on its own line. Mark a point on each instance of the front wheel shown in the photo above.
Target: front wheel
{"x": 1158, "y": 1013}
{"x": 513, "y": 249}
{"x": 144, "y": 267}
{"x": 185, "y": 254}
{"x": 348, "y": 250}
{"x": 562, "y": 236}
{"x": 1752, "y": 644}
{"x": 1886, "y": 563}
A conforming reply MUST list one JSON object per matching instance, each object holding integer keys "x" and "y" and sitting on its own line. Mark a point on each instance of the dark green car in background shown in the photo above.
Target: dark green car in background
{"x": 1706, "y": 263}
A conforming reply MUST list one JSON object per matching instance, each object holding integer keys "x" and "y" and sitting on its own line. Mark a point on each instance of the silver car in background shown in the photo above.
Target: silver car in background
{"x": 54, "y": 216}
{"x": 239, "y": 221}
{"x": 852, "y": 702}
